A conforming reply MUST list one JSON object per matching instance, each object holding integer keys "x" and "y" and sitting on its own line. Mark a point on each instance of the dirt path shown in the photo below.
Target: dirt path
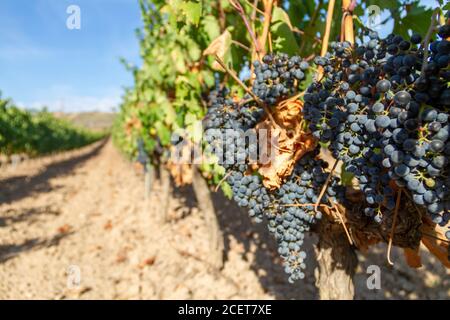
{"x": 76, "y": 225}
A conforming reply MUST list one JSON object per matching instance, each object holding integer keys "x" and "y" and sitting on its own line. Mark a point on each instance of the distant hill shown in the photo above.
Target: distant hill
{"x": 89, "y": 120}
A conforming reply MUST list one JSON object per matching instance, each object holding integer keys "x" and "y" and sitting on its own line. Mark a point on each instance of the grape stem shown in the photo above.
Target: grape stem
{"x": 222, "y": 180}
{"x": 342, "y": 221}
{"x": 305, "y": 205}
{"x": 394, "y": 222}
{"x": 324, "y": 188}
{"x": 269, "y": 37}
{"x": 222, "y": 18}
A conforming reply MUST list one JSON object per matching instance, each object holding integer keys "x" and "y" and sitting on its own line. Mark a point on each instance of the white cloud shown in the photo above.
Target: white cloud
{"x": 79, "y": 104}
{"x": 63, "y": 98}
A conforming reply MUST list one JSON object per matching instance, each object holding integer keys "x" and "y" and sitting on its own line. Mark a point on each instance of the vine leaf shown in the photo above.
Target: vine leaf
{"x": 193, "y": 11}
{"x": 286, "y": 144}
{"x": 226, "y": 189}
{"x": 211, "y": 27}
{"x": 432, "y": 239}
{"x": 163, "y": 133}
{"x": 282, "y": 34}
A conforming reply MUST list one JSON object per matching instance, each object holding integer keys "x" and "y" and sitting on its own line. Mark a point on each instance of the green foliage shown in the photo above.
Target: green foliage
{"x": 38, "y": 133}
{"x": 281, "y": 28}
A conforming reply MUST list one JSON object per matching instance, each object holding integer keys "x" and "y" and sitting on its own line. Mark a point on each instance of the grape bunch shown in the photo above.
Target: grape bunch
{"x": 289, "y": 211}
{"x": 225, "y": 113}
{"x": 142, "y": 156}
{"x": 226, "y": 125}
{"x": 278, "y": 77}
{"x": 383, "y": 111}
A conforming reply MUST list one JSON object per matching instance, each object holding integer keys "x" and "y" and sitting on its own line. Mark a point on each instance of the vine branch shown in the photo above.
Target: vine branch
{"x": 268, "y": 6}
{"x": 237, "y": 6}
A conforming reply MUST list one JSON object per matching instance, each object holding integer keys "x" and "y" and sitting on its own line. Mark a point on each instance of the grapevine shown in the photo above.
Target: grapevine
{"x": 361, "y": 125}
{"x": 38, "y": 133}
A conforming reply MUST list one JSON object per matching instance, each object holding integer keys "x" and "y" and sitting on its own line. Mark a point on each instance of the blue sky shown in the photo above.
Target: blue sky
{"x": 42, "y": 62}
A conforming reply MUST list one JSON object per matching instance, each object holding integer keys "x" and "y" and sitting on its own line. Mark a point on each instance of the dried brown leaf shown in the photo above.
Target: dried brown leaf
{"x": 433, "y": 238}
{"x": 286, "y": 143}
{"x": 219, "y": 47}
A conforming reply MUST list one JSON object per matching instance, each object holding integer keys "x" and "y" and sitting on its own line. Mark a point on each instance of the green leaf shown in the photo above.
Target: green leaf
{"x": 193, "y": 11}
{"x": 208, "y": 77}
{"x": 171, "y": 115}
{"x": 226, "y": 189}
{"x": 163, "y": 133}
{"x": 324, "y": 145}
{"x": 346, "y": 178}
{"x": 417, "y": 19}
{"x": 211, "y": 27}
{"x": 282, "y": 34}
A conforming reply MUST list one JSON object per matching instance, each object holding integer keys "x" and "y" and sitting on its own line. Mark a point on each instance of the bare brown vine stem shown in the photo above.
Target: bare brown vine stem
{"x": 222, "y": 17}
{"x": 237, "y": 6}
{"x": 426, "y": 41}
{"x": 324, "y": 188}
{"x": 222, "y": 180}
{"x": 394, "y": 222}
{"x": 243, "y": 46}
{"x": 326, "y": 36}
{"x": 303, "y": 33}
{"x": 268, "y": 7}
{"x": 347, "y": 7}
{"x": 306, "y": 205}
{"x": 255, "y": 9}
{"x": 269, "y": 37}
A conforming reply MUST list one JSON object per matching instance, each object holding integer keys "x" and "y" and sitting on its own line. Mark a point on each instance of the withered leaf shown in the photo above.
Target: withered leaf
{"x": 220, "y": 47}
{"x": 433, "y": 237}
{"x": 286, "y": 143}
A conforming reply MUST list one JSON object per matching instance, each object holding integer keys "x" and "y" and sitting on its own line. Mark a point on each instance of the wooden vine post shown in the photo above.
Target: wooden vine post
{"x": 149, "y": 172}
{"x": 336, "y": 256}
{"x": 166, "y": 187}
{"x": 206, "y": 206}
